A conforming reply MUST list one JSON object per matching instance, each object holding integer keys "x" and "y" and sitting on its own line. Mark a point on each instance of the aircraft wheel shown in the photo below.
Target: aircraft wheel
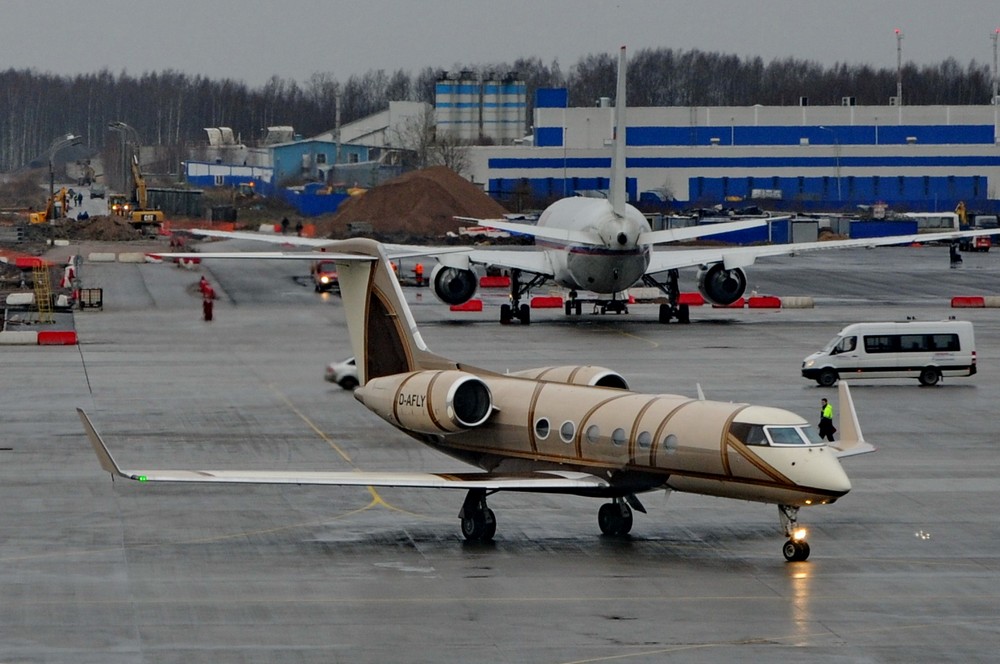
{"x": 578, "y": 308}
{"x": 665, "y": 313}
{"x": 524, "y": 314}
{"x": 827, "y": 377}
{"x": 568, "y": 306}
{"x": 795, "y": 551}
{"x": 683, "y": 314}
{"x": 505, "y": 314}
{"x": 929, "y": 376}
{"x": 611, "y": 520}
{"x": 491, "y": 525}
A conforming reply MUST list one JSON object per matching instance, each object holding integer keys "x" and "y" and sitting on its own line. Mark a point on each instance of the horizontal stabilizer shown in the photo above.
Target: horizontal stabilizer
{"x": 552, "y": 481}
{"x": 544, "y": 232}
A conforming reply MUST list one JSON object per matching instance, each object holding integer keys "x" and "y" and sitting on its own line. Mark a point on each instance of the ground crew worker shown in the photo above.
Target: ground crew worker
{"x": 207, "y": 302}
{"x": 298, "y": 228}
{"x": 826, "y": 428}
{"x": 284, "y": 226}
{"x": 418, "y": 272}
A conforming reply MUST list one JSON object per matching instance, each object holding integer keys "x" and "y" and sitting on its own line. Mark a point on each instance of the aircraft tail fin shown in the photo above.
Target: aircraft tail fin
{"x": 383, "y": 333}
{"x": 852, "y": 441}
{"x": 617, "y": 194}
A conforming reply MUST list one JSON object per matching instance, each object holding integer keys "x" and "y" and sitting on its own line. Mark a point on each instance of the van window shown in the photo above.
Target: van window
{"x": 912, "y": 343}
{"x": 846, "y": 345}
{"x": 945, "y": 342}
{"x": 883, "y": 343}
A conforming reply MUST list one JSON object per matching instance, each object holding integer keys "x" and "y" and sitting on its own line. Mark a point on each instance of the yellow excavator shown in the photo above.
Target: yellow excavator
{"x": 136, "y": 210}
{"x": 55, "y": 208}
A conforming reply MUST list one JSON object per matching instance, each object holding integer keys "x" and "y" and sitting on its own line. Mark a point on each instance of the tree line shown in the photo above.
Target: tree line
{"x": 172, "y": 108}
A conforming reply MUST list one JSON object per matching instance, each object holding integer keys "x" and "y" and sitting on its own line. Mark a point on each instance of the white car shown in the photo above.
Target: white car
{"x": 343, "y": 373}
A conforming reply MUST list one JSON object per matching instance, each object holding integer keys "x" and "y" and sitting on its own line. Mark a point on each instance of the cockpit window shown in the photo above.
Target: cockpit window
{"x": 748, "y": 434}
{"x": 785, "y": 436}
{"x": 812, "y": 435}
{"x": 755, "y": 434}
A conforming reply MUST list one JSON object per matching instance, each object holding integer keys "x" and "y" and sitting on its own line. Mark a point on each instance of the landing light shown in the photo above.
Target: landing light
{"x": 799, "y": 534}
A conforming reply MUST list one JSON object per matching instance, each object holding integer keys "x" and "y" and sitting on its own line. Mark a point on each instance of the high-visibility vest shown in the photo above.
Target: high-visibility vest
{"x": 828, "y": 411}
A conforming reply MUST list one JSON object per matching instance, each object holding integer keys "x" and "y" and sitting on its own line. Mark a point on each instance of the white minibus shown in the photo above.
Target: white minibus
{"x": 925, "y": 350}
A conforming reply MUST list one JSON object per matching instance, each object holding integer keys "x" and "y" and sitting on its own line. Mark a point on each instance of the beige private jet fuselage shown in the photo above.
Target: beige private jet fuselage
{"x": 573, "y": 429}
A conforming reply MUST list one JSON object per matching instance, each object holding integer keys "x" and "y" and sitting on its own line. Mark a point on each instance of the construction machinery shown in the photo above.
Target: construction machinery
{"x": 55, "y": 208}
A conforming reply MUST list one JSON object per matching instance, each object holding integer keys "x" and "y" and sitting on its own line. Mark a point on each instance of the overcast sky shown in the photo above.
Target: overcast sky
{"x": 251, "y": 41}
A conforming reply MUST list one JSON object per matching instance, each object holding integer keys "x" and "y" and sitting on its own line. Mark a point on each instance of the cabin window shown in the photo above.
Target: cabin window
{"x": 618, "y": 437}
{"x": 593, "y": 433}
{"x": 567, "y": 431}
{"x": 542, "y": 428}
{"x": 670, "y": 444}
{"x": 645, "y": 440}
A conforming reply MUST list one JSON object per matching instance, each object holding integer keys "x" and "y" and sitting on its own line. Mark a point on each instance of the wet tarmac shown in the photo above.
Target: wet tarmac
{"x": 904, "y": 568}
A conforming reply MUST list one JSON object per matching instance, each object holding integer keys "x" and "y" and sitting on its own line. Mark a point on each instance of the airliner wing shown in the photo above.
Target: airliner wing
{"x": 541, "y": 481}
{"x": 536, "y": 262}
{"x": 545, "y": 232}
{"x": 734, "y": 257}
{"x": 291, "y": 240}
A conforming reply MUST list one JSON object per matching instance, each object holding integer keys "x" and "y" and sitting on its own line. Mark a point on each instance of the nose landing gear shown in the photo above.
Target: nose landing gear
{"x": 796, "y": 548}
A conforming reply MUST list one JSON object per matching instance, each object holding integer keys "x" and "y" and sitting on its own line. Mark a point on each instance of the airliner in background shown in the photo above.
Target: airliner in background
{"x": 601, "y": 246}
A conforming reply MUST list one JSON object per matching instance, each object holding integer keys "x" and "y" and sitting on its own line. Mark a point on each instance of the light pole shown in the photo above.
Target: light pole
{"x": 126, "y": 132}
{"x": 57, "y": 145}
{"x": 836, "y": 159}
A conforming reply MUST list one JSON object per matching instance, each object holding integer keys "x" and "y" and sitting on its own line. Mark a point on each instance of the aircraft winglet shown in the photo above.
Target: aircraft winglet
{"x": 104, "y": 456}
{"x": 852, "y": 441}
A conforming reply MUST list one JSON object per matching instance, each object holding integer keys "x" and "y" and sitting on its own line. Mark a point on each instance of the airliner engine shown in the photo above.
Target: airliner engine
{"x": 453, "y": 285}
{"x": 576, "y": 375}
{"x": 429, "y": 401}
{"x": 721, "y": 286}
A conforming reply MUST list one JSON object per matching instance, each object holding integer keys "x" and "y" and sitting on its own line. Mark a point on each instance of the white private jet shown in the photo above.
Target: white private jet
{"x": 603, "y": 246}
{"x": 574, "y": 430}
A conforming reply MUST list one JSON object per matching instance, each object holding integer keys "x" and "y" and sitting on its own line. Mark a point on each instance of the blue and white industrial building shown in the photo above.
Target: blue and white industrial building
{"x": 912, "y": 158}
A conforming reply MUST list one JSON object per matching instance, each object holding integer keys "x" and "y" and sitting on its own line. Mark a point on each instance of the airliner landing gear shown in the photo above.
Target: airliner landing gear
{"x": 671, "y": 310}
{"x": 515, "y": 310}
{"x": 573, "y": 305}
{"x": 615, "y": 518}
{"x": 796, "y": 548}
{"x": 479, "y": 524}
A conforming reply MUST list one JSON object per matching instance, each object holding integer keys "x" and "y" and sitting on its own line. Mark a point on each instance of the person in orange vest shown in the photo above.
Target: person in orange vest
{"x": 418, "y": 272}
{"x": 207, "y": 303}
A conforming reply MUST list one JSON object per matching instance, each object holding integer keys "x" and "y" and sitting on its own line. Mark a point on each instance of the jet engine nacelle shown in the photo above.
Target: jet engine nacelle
{"x": 453, "y": 285}
{"x": 576, "y": 375}
{"x": 434, "y": 402}
{"x": 721, "y": 286}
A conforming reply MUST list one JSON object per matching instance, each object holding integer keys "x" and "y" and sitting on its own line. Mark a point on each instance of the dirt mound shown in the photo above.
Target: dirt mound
{"x": 105, "y": 229}
{"x": 421, "y": 203}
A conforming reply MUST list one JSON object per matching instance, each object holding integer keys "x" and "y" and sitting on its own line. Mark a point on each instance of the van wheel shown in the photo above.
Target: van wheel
{"x": 929, "y": 376}
{"x": 827, "y": 377}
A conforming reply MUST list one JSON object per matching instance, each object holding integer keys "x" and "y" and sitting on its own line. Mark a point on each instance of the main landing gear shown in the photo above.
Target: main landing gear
{"x": 796, "y": 548}
{"x": 516, "y": 310}
{"x": 479, "y": 524}
{"x": 671, "y": 310}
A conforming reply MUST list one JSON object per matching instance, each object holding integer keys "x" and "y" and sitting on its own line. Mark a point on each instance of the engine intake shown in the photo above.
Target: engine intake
{"x": 576, "y": 375}
{"x": 432, "y": 402}
{"x": 453, "y": 285}
{"x": 721, "y": 286}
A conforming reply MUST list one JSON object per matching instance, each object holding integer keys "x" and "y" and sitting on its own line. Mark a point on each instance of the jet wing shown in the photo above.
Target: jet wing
{"x": 733, "y": 257}
{"x": 539, "y": 481}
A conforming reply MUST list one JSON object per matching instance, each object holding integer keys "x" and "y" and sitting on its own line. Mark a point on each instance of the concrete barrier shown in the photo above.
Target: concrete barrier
{"x": 803, "y": 302}
{"x": 57, "y": 338}
{"x": 494, "y": 282}
{"x": 764, "y": 302}
{"x": 132, "y": 257}
{"x": 18, "y": 338}
{"x": 102, "y": 257}
{"x": 991, "y": 301}
{"x": 968, "y": 302}
{"x": 690, "y": 299}
{"x": 546, "y": 302}
{"x": 471, "y": 305}
{"x": 20, "y": 299}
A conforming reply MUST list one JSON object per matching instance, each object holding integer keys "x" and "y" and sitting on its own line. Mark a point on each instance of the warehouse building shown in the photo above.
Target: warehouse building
{"x": 911, "y": 158}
